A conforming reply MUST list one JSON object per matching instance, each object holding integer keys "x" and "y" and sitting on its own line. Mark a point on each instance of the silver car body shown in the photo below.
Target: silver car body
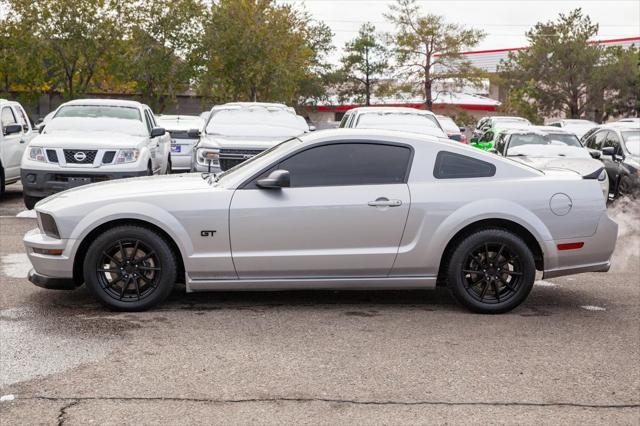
{"x": 337, "y": 236}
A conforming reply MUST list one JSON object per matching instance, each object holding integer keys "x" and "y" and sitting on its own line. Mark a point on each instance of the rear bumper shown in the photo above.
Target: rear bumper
{"x": 181, "y": 162}
{"x": 51, "y": 283}
{"x": 594, "y": 256}
{"x": 42, "y": 183}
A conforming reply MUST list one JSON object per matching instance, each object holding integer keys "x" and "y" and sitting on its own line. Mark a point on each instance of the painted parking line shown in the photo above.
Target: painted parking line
{"x": 27, "y": 214}
{"x": 593, "y": 308}
{"x": 15, "y": 265}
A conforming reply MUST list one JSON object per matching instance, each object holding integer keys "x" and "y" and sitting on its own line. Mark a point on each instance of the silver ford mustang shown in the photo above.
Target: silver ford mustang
{"x": 339, "y": 209}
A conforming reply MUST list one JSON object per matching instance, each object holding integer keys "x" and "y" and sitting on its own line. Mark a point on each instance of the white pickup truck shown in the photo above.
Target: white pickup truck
{"x": 93, "y": 140}
{"x": 15, "y": 134}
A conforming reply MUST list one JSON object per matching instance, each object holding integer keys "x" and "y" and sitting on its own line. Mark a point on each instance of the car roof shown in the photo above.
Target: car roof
{"x": 383, "y": 109}
{"x": 543, "y": 130}
{"x": 105, "y": 102}
{"x": 508, "y": 117}
{"x": 178, "y": 117}
{"x": 266, "y": 105}
{"x": 625, "y": 125}
{"x": 8, "y": 102}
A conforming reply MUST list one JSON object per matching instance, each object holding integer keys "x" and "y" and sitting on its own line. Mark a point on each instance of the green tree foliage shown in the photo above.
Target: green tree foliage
{"x": 428, "y": 50}
{"x": 364, "y": 63}
{"x": 562, "y": 72}
{"x": 260, "y": 50}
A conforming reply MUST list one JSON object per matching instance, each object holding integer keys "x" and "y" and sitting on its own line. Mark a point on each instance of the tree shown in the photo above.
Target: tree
{"x": 428, "y": 50}
{"x": 161, "y": 45}
{"x": 563, "y": 72}
{"x": 365, "y": 62}
{"x": 260, "y": 50}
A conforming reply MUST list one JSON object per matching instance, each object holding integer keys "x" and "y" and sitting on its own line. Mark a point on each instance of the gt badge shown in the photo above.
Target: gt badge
{"x": 207, "y": 233}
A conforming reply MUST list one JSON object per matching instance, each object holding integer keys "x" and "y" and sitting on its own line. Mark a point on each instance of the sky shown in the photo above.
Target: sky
{"x": 504, "y": 21}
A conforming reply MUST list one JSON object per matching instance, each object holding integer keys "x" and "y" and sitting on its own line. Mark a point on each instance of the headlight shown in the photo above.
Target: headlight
{"x": 204, "y": 155}
{"x": 127, "y": 156}
{"x": 36, "y": 154}
{"x": 602, "y": 176}
{"x": 49, "y": 226}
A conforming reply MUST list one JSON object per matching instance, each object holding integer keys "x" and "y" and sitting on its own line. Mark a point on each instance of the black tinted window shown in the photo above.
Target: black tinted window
{"x": 348, "y": 164}
{"x": 456, "y": 166}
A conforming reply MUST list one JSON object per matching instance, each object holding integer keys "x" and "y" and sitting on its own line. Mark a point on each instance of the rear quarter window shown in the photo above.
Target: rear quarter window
{"x": 450, "y": 165}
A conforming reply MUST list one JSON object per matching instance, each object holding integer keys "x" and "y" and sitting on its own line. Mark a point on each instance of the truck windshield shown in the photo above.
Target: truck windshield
{"x": 93, "y": 111}
{"x": 255, "y": 122}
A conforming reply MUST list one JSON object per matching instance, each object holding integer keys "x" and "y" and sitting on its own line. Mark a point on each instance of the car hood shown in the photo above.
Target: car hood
{"x": 86, "y": 140}
{"x": 138, "y": 188}
{"x": 241, "y": 142}
{"x": 582, "y": 166}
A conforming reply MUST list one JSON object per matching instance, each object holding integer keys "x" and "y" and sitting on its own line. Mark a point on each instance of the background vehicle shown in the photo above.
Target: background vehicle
{"x": 619, "y": 148}
{"x": 393, "y": 118}
{"x": 452, "y": 130}
{"x": 185, "y": 133}
{"x": 15, "y": 134}
{"x": 93, "y": 140}
{"x": 634, "y": 120}
{"x": 502, "y": 122}
{"x": 575, "y": 126}
{"x": 334, "y": 209}
{"x": 237, "y": 131}
{"x": 549, "y": 148}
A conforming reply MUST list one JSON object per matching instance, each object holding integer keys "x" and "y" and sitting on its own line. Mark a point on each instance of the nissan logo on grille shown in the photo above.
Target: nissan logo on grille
{"x": 79, "y": 156}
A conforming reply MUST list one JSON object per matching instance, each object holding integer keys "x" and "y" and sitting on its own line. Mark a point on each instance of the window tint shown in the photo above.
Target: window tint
{"x": 348, "y": 164}
{"x": 456, "y": 166}
{"x": 7, "y": 117}
{"x": 148, "y": 121}
{"x": 22, "y": 117}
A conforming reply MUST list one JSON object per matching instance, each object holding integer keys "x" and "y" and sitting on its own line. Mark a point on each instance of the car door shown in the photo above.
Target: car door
{"x": 12, "y": 145}
{"x": 342, "y": 216}
{"x": 153, "y": 144}
{"x": 164, "y": 144}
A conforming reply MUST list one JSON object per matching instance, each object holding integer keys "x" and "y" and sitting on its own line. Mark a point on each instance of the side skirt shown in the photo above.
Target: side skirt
{"x": 386, "y": 283}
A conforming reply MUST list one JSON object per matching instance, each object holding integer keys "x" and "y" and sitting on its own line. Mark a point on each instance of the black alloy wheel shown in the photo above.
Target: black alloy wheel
{"x": 130, "y": 268}
{"x": 491, "y": 271}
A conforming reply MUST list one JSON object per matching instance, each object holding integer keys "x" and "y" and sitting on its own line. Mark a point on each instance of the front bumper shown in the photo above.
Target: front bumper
{"x": 42, "y": 183}
{"x": 58, "y": 267}
{"x": 51, "y": 283}
{"x": 204, "y": 169}
{"x": 181, "y": 163}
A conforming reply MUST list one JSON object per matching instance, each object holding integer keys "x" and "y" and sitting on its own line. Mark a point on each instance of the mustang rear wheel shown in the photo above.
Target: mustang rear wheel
{"x": 130, "y": 268}
{"x": 491, "y": 271}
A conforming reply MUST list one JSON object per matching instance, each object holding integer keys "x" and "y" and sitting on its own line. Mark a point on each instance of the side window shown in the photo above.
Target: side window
{"x": 153, "y": 118}
{"x": 599, "y": 137}
{"x": 22, "y": 118}
{"x": 613, "y": 141}
{"x": 555, "y": 124}
{"x": 344, "y": 120}
{"x": 148, "y": 121}
{"x": 487, "y": 137}
{"x": 450, "y": 165}
{"x": 348, "y": 164}
{"x": 7, "y": 117}
{"x": 500, "y": 143}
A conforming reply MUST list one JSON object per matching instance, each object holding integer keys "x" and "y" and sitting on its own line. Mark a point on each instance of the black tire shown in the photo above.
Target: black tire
{"x": 149, "y": 170}
{"x": 168, "y": 171}
{"x": 29, "y": 201}
{"x": 130, "y": 268}
{"x": 491, "y": 271}
{"x": 2, "y": 184}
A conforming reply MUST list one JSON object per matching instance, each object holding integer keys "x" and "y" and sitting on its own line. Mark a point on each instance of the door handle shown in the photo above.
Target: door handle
{"x": 385, "y": 202}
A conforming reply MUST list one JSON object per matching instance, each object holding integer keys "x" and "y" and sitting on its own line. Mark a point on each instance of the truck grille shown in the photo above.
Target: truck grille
{"x": 232, "y": 157}
{"x": 79, "y": 156}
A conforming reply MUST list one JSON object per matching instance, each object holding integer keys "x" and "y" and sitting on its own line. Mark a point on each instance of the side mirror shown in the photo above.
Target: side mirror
{"x": 277, "y": 179}
{"x": 463, "y": 129}
{"x": 493, "y": 151}
{"x": 193, "y": 133}
{"x": 157, "y": 131}
{"x": 473, "y": 140}
{"x": 312, "y": 128}
{"x": 12, "y": 129}
{"x": 596, "y": 155}
{"x": 40, "y": 127}
{"x": 608, "y": 150}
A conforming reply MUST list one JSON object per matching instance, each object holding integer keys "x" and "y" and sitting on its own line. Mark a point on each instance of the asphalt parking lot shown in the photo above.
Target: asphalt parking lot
{"x": 569, "y": 354}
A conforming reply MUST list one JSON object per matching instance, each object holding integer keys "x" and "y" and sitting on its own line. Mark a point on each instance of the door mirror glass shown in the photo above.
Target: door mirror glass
{"x": 193, "y": 133}
{"x": 595, "y": 154}
{"x": 12, "y": 129}
{"x": 157, "y": 131}
{"x": 608, "y": 150}
{"x": 277, "y": 179}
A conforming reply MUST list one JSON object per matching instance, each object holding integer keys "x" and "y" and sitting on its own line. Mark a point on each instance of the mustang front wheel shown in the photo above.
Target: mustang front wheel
{"x": 130, "y": 268}
{"x": 491, "y": 271}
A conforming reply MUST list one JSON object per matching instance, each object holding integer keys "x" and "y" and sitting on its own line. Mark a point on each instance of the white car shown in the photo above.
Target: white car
{"x": 15, "y": 134}
{"x": 237, "y": 131}
{"x": 185, "y": 133}
{"x": 499, "y": 121}
{"x": 93, "y": 140}
{"x": 339, "y": 209}
{"x": 394, "y": 118}
{"x": 576, "y": 126}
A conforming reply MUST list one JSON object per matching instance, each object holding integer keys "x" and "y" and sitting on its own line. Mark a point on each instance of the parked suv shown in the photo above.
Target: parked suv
{"x": 93, "y": 140}
{"x": 237, "y": 131}
{"x": 14, "y": 137}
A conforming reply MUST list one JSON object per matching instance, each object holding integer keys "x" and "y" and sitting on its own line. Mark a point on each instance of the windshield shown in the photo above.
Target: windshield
{"x": 97, "y": 124}
{"x": 93, "y": 111}
{"x": 510, "y": 120}
{"x": 180, "y": 123}
{"x": 448, "y": 124}
{"x": 258, "y": 122}
{"x": 265, "y": 157}
{"x": 511, "y": 124}
{"x": 632, "y": 141}
{"x": 405, "y": 121}
{"x": 547, "y": 145}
